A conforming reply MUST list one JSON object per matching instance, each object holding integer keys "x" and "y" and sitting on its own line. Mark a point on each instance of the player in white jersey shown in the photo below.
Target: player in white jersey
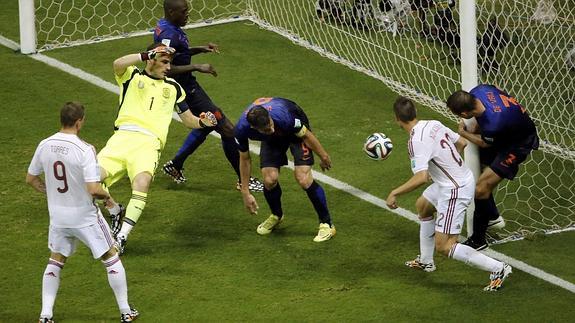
{"x": 72, "y": 183}
{"x": 435, "y": 155}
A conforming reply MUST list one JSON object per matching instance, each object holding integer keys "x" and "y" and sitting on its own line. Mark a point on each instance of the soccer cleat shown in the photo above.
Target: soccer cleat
{"x": 417, "y": 264}
{"x": 46, "y": 320}
{"x": 120, "y": 245}
{"x": 254, "y": 185}
{"x": 116, "y": 220}
{"x": 476, "y": 245}
{"x": 325, "y": 232}
{"x": 497, "y": 278}
{"x": 269, "y": 224}
{"x": 175, "y": 173}
{"x": 498, "y": 223}
{"x": 129, "y": 317}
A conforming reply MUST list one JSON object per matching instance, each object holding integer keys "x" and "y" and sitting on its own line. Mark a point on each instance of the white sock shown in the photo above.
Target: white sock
{"x": 125, "y": 230}
{"x": 114, "y": 210}
{"x": 474, "y": 258}
{"x": 426, "y": 239}
{"x": 50, "y": 284}
{"x": 117, "y": 280}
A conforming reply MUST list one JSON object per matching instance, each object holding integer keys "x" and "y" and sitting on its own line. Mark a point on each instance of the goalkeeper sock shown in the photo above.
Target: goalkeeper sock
{"x": 133, "y": 211}
{"x": 316, "y": 195}
{"x": 274, "y": 199}
{"x": 426, "y": 239}
{"x": 474, "y": 258}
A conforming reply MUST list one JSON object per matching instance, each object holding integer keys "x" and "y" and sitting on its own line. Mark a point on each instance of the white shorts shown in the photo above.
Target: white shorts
{"x": 97, "y": 237}
{"x": 450, "y": 204}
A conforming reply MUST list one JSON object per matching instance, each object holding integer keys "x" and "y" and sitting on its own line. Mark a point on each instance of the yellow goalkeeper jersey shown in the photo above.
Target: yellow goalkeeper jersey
{"x": 147, "y": 103}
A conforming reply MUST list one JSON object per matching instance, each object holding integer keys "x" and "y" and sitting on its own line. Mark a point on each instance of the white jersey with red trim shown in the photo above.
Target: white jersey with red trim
{"x": 431, "y": 147}
{"x": 68, "y": 163}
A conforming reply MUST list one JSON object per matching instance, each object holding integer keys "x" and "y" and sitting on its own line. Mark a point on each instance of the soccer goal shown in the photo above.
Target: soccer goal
{"x": 421, "y": 49}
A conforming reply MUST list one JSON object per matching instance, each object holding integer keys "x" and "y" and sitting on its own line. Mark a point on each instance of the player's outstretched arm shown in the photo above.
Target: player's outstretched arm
{"x": 209, "y": 48}
{"x": 313, "y": 143}
{"x": 95, "y": 189}
{"x": 245, "y": 172}
{"x": 206, "y": 119}
{"x": 36, "y": 182}
{"x": 413, "y": 183}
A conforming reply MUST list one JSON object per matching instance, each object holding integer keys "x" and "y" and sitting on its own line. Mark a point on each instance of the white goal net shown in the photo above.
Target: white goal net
{"x": 526, "y": 47}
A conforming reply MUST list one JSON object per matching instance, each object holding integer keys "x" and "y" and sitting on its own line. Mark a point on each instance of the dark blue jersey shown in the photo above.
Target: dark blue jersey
{"x": 178, "y": 40}
{"x": 288, "y": 118}
{"x": 505, "y": 122}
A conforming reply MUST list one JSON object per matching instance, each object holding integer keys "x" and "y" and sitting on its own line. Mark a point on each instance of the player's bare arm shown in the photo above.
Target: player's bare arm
{"x": 209, "y": 48}
{"x": 95, "y": 189}
{"x": 36, "y": 182}
{"x": 245, "y": 172}
{"x": 122, "y": 63}
{"x": 460, "y": 144}
{"x": 313, "y": 143}
{"x": 202, "y": 68}
{"x": 472, "y": 137}
{"x": 413, "y": 183}
{"x": 206, "y": 119}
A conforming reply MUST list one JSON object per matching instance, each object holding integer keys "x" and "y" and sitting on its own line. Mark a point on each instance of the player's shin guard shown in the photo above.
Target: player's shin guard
{"x": 474, "y": 258}
{"x": 133, "y": 211}
{"x": 117, "y": 280}
{"x": 316, "y": 195}
{"x": 426, "y": 239}
{"x": 50, "y": 285}
{"x": 274, "y": 199}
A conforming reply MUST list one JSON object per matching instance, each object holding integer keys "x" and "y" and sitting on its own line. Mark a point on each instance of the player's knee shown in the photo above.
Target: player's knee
{"x": 423, "y": 207}
{"x": 482, "y": 191}
{"x": 270, "y": 181}
{"x": 304, "y": 179}
{"x": 141, "y": 182}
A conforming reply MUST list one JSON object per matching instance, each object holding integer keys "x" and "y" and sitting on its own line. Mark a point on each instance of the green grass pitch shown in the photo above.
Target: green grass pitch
{"x": 194, "y": 255}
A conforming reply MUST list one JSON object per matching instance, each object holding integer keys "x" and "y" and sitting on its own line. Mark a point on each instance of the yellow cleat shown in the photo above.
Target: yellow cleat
{"x": 269, "y": 224}
{"x": 325, "y": 232}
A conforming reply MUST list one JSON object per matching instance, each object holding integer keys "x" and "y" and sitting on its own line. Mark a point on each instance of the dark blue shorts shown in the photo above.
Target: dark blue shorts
{"x": 273, "y": 153}
{"x": 199, "y": 101}
{"x": 505, "y": 161}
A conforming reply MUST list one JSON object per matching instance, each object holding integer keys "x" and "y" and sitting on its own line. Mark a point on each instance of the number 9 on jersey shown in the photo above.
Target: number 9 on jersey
{"x": 377, "y": 146}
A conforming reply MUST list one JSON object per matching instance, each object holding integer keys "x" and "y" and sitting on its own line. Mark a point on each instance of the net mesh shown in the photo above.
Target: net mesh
{"x": 525, "y": 47}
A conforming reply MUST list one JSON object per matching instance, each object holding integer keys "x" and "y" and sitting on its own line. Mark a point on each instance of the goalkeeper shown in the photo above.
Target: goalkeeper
{"x": 147, "y": 101}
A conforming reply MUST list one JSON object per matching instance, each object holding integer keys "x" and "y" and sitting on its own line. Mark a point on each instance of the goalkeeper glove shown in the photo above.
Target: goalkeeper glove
{"x": 151, "y": 54}
{"x": 208, "y": 119}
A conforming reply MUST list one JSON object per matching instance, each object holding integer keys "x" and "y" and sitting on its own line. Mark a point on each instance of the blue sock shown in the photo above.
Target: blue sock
{"x": 195, "y": 138}
{"x": 316, "y": 195}
{"x": 273, "y": 197}
{"x": 232, "y": 154}
{"x": 485, "y": 210}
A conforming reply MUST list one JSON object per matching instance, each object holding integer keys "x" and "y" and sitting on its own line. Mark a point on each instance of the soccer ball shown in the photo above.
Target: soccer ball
{"x": 377, "y": 146}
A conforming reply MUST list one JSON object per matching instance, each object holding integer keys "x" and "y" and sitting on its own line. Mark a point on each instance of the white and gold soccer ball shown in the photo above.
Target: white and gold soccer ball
{"x": 377, "y": 146}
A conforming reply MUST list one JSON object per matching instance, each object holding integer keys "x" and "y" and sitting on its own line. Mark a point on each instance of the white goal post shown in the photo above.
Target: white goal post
{"x": 422, "y": 49}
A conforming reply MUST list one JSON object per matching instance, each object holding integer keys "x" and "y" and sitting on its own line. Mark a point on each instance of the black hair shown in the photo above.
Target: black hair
{"x": 258, "y": 117}
{"x": 460, "y": 101}
{"x": 404, "y": 109}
